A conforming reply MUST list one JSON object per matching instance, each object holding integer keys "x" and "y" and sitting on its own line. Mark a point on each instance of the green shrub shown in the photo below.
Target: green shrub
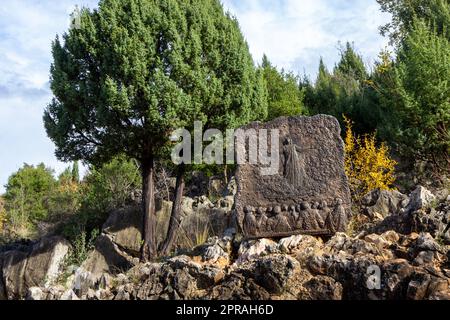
{"x": 27, "y": 198}
{"x": 103, "y": 189}
{"x": 82, "y": 244}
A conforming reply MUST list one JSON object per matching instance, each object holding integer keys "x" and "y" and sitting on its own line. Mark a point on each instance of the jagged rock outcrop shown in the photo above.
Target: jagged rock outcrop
{"x": 403, "y": 256}
{"x": 25, "y": 267}
{"x": 118, "y": 244}
{"x": 391, "y": 210}
{"x": 381, "y": 203}
{"x": 117, "y": 248}
{"x": 411, "y": 266}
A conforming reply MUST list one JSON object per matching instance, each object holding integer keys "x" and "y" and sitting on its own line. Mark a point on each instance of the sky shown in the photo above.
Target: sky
{"x": 293, "y": 33}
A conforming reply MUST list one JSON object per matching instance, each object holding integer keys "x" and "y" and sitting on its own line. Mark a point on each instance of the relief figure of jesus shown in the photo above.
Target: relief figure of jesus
{"x": 294, "y": 167}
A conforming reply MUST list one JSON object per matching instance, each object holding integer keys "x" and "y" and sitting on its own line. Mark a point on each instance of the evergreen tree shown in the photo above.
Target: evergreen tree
{"x": 284, "y": 96}
{"x": 27, "y": 192}
{"x": 420, "y": 95}
{"x": 137, "y": 69}
{"x": 342, "y": 91}
{"x": 351, "y": 64}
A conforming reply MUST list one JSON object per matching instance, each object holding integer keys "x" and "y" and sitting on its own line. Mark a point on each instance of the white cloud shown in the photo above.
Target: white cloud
{"x": 294, "y": 34}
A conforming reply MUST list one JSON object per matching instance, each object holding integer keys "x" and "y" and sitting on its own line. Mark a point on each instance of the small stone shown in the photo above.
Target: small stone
{"x": 254, "y": 249}
{"x": 35, "y": 293}
{"x": 420, "y": 198}
{"x": 425, "y": 242}
{"x": 424, "y": 257}
{"x": 69, "y": 295}
{"x": 391, "y": 236}
{"x": 379, "y": 241}
{"x": 324, "y": 288}
{"x": 287, "y": 244}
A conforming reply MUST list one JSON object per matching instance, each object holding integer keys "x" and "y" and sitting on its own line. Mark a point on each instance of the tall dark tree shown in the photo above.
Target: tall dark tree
{"x": 342, "y": 91}
{"x": 416, "y": 90}
{"x": 351, "y": 64}
{"x": 134, "y": 70}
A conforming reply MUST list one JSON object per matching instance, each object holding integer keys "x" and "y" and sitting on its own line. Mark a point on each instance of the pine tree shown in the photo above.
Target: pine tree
{"x": 351, "y": 64}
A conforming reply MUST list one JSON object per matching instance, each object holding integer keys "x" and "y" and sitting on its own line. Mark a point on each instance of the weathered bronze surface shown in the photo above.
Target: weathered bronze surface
{"x": 310, "y": 192}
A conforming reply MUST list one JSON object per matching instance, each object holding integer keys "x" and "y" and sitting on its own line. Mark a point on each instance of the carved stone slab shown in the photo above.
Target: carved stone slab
{"x": 309, "y": 194}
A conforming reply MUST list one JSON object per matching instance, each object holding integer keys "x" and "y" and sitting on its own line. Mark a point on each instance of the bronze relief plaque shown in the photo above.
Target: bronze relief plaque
{"x": 308, "y": 194}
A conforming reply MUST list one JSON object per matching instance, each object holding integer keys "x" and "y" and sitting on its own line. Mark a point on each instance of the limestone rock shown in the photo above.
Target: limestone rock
{"x": 226, "y": 203}
{"x": 249, "y": 250}
{"x": 274, "y": 272}
{"x": 231, "y": 187}
{"x": 384, "y": 203}
{"x": 324, "y": 288}
{"x": 35, "y": 293}
{"x": 187, "y": 206}
{"x": 69, "y": 295}
{"x": 107, "y": 257}
{"x": 45, "y": 261}
{"x": 216, "y": 187}
{"x": 420, "y": 198}
{"x": 124, "y": 229}
{"x": 39, "y": 266}
{"x": 435, "y": 221}
{"x": 14, "y": 264}
{"x": 290, "y": 243}
{"x": 425, "y": 242}
{"x": 215, "y": 250}
{"x": 297, "y": 267}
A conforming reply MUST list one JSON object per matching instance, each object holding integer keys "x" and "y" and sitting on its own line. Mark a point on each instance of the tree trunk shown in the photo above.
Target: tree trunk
{"x": 174, "y": 222}
{"x": 148, "y": 201}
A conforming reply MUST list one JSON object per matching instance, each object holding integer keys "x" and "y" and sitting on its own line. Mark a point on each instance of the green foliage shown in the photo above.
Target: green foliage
{"x": 105, "y": 188}
{"x": 27, "y": 194}
{"x": 81, "y": 246}
{"x": 284, "y": 96}
{"x": 419, "y": 95}
{"x": 75, "y": 172}
{"x": 33, "y": 196}
{"x": 112, "y": 185}
{"x": 351, "y": 64}
{"x": 404, "y": 12}
{"x": 65, "y": 199}
{"x": 136, "y": 69}
{"x": 342, "y": 91}
{"x": 3, "y": 216}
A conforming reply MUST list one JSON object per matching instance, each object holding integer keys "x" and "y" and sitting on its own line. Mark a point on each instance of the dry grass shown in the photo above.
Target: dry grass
{"x": 194, "y": 232}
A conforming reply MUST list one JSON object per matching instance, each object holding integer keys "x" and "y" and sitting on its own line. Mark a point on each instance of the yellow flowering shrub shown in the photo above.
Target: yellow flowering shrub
{"x": 368, "y": 166}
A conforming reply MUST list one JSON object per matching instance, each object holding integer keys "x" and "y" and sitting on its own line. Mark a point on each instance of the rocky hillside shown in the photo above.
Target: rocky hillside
{"x": 396, "y": 248}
